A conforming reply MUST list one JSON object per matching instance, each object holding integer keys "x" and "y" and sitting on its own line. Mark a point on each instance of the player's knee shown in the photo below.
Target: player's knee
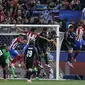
{"x": 18, "y": 54}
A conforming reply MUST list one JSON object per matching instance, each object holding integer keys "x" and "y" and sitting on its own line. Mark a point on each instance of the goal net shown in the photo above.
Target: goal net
{"x": 9, "y": 32}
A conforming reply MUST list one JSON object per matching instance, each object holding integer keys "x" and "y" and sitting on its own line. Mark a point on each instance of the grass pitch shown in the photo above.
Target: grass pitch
{"x": 42, "y": 82}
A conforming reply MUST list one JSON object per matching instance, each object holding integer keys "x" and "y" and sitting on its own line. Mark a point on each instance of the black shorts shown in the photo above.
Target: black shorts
{"x": 2, "y": 62}
{"x": 41, "y": 49}
{"x": 69, "y": 47}
{"x": 29, "y": 64}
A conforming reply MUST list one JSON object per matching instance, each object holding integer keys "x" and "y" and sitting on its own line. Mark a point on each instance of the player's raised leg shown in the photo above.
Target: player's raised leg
{"x": 69, "y": 59}
{"x": 78, "y": 44}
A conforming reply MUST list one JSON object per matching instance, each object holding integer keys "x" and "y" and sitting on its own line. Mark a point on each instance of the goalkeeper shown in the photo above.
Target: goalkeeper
{"x": 7, "y": 59}
{"x": 4, "y": 59}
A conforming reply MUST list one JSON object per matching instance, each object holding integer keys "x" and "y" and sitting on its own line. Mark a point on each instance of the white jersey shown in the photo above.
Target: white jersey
{"x": 79, "y": 32}
{"x": 15, "y": 42}
{"x": 31, "y": 36}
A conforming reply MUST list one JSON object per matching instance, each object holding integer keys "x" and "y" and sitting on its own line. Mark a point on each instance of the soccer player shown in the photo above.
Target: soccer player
{"x": 70, "y": 42}
{"x": 14, "y": 53}
{"x": 79, "y": 41}
{"x": 30, "y": 54}
{"x": 41, "y": 45}
{"x": 4, "y": 59}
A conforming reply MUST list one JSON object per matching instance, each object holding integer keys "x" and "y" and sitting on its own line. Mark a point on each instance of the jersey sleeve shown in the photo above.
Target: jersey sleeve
{"x": 37, "y": 35}
{"x": 19, "y": 40}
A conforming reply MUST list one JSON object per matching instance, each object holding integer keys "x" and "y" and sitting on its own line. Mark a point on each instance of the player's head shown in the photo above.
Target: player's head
{"x": 45, "y": 29}
{"x": 32, "y": 42}
{"x": 33, "y": 29}
{"x": 1, "y": 46}
{"x": 21, "y": 36}
{"x": 4, "y": 46}
{"x": 53, "y": 34}
{"x": 70, "y": 28}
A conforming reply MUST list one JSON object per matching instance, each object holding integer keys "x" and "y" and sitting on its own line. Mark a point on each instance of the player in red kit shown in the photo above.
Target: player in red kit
{"x": 79, "y": 41}
{"x": 14, "y": 53}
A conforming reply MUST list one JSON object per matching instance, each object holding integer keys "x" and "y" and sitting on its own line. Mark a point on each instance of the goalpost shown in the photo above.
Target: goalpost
{"x": 57, "y": 39}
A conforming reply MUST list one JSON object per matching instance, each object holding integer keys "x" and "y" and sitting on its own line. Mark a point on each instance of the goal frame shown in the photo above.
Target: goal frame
{"x": 57, "y": 39}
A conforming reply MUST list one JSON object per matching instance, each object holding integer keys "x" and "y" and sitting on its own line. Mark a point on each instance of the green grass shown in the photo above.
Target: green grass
{"x": 41, "y": 82}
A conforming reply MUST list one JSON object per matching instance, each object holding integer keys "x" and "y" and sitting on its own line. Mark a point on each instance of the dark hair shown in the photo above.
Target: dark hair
{"x": 33, "y": 29}
{"x": 44, "y": 29}
{"x": 3, "y": 46}
{"x": 53, "y": 32}
{"x": 31, "y": 42}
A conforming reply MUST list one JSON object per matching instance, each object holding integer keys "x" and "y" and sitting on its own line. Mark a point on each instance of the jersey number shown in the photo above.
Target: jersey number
{"x": 29, "y": 53}
{"x": 1, "y": 53}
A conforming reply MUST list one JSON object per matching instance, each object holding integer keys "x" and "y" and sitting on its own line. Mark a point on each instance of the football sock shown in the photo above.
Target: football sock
{"x": 69, "y": 57}
{"x": 76, "y": 54}
{"x": 28, "y": 74}
{"x": 21, "y": 59}
{"x": 4, "y": 74}
{"x": 13, "y": 71}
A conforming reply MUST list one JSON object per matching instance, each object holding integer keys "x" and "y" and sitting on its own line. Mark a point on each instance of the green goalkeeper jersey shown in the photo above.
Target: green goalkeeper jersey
{"x": 6, "y": 55}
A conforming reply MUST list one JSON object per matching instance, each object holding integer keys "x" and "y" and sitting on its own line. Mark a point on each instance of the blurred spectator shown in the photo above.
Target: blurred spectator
{"x": 75, "y": 4}
{"x": 83, "y": 14}
{"x": 22, "y": 10}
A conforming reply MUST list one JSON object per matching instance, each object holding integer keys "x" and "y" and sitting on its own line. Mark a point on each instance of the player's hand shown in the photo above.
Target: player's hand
{"x": 19, "y": 65}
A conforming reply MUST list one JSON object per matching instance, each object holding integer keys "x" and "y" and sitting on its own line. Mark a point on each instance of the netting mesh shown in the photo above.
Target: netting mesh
{"x": 6, "y": 36}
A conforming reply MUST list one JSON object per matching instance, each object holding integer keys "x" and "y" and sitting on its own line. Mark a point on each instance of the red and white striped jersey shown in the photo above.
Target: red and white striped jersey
{"x": 31, "y": 36}
{"x": 15, "y": 42}
{"x": 79, "y": 32}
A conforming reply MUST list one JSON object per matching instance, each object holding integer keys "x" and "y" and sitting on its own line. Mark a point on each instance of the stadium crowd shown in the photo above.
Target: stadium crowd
{"x": 20, "y": 11}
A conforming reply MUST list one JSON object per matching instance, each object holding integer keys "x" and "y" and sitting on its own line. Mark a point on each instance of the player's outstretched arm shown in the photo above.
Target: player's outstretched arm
{"x": 45, "y": 38}
{"x": 24, "y": 41}
{"x": 54, "y": 42}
